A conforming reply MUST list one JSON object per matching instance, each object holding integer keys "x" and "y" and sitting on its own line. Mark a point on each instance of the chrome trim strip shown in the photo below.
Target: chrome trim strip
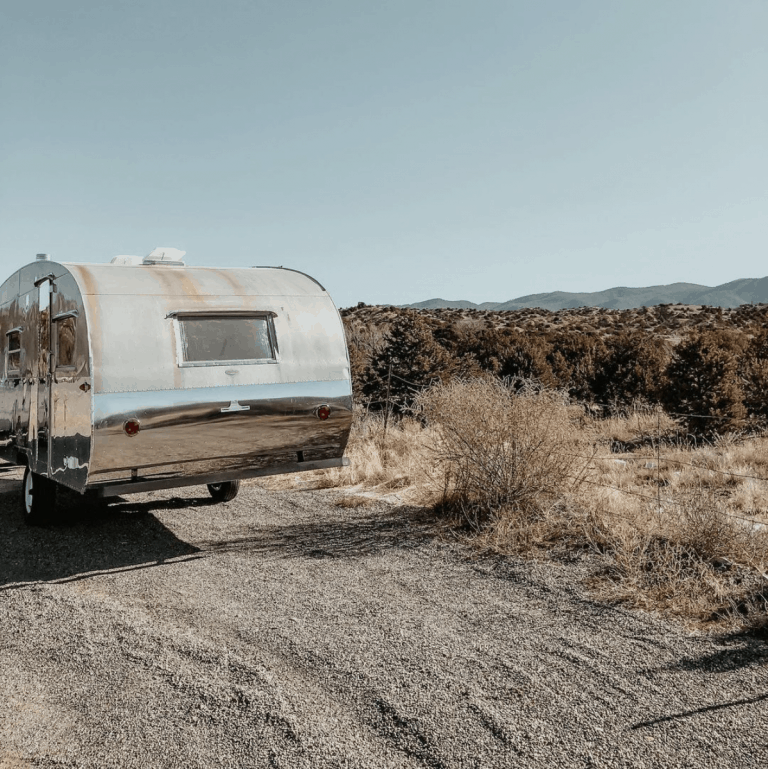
{"x": 290, "y": 269}
{"x": 229, "y": 313}
{"x": 253, "y": 362}
{"x": 137, "y": 486}
{"x": 106, "y": 405}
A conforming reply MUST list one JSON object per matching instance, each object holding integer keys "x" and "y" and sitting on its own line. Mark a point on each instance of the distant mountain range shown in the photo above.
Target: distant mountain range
{"x": 733, "y": 294}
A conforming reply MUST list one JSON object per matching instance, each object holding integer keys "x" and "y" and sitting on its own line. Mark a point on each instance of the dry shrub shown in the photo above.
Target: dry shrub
{"x": 700, "y": 523}
{"x": 692, "y": 559}
{"x": 504, "y": 460}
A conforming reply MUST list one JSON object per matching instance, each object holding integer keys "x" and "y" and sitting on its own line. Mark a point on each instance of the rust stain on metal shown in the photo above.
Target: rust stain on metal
{"x": 231, "y": 279}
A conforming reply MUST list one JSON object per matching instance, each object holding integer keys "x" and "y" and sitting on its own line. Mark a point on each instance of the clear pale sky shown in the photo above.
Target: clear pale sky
{"x": 398, "y": 150}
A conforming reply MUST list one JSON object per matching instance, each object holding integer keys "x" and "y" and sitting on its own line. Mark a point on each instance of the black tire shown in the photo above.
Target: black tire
{"x": 224, "y": 492}
{"x": 38, "y": 498}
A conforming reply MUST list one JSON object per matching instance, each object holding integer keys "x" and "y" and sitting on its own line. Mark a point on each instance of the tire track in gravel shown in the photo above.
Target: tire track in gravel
{"x": 280, "y": 630}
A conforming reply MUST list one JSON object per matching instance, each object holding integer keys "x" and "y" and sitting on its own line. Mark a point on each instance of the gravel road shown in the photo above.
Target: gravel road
{"x": 280, "y": 630}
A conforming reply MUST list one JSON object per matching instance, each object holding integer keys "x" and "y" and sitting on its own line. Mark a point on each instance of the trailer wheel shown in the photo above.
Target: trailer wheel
{"x": 224, "y": 492}
{"x": 38, "y": 498}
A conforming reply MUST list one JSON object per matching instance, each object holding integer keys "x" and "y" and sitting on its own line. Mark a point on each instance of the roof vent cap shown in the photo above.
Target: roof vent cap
{"x": 43, "y": 258}
{"x": 164, "y": 255}
{"x": 126, "y": 259}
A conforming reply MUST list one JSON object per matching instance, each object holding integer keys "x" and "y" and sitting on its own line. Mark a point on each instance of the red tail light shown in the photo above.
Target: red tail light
{"x": 132, "y": 427}
{"x": 323, "y": 412}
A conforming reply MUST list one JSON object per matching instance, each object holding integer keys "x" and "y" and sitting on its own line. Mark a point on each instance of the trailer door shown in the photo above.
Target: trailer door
{"x": 44, "y": 361}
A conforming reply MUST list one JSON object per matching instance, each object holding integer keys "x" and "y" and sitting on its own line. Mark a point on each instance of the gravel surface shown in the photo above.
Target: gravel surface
{"x": 280, "y": 630}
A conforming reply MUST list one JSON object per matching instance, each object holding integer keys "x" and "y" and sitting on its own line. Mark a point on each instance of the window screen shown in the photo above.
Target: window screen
{"x": 65, "y": 342}
{"x": 226, "y": 339}
{"x": 14, "y": 351}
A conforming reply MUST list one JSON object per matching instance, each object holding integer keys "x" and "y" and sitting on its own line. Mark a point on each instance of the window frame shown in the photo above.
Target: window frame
{"x": 10, "y": 372}
{"x": 180, "y": 315}
{"x": 55, "y": 338}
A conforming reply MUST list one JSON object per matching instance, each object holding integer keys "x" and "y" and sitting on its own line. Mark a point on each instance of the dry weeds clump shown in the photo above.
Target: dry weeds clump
{"x": 692, "y": 559}
{"x": 504, "y": 462}
{"x": 633, "y": 426}
{"x": 682, "y": 529}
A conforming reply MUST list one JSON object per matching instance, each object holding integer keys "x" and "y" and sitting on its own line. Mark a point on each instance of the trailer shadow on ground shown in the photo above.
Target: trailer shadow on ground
{"x": 88, "y": 536}
{"x": 379, "y": 529}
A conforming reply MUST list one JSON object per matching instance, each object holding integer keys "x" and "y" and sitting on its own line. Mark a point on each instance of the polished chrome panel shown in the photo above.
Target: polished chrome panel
{"x": 71, "y": 403}
{"x": 188, "y": 426}
{"x": 45, "y": 414}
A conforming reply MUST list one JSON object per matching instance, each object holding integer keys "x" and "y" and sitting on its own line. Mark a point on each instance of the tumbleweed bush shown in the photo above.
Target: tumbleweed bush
{"x": 500, "y": 455}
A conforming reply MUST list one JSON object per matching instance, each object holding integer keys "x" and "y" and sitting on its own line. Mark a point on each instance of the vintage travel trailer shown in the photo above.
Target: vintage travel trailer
{"x": 145, "y": 374}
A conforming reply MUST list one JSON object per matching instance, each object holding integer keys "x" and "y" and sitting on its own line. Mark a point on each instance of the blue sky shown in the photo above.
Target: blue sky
{"x": 397, "y": 151}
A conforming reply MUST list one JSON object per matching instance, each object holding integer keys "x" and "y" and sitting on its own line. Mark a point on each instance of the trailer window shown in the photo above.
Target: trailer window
{"x": 223, "y": 340}
{"x": 65, "y": 342}
{"x": 14, "y": 352}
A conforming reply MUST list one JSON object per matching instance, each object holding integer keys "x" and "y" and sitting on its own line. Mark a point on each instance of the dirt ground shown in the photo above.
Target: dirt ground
{"x": 280, "y": 630}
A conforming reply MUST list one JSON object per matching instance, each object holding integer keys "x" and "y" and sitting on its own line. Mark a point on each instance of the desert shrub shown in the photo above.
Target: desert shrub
{"x": 703, "y": 381}
{"x": 415, "y": 359}
{"x": 360, "y": 365}
{"x": 500, "y": 455}
{"x": 365, "y": 342}
{"x": 753, "y": 371}
{"x": 633, "y": 368}
{"x": 577, "y": 363}
{"x": 509, "y": 354}
{"x": 630, "y": 357}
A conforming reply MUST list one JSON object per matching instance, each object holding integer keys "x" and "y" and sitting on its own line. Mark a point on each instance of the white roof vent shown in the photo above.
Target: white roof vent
{"x": 163, "y": 255}
{"x": 126, "y": 259}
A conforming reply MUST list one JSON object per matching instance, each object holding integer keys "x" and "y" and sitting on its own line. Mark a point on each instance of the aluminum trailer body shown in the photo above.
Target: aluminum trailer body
{"x": 130, "y": 377}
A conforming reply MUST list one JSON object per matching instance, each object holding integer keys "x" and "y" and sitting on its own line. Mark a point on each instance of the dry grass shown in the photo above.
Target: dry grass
{"x": 680, "y": 529}
{"x": 632, "y": 426}
{"x": 683, "y": 528}
{"x": 381, "y": 460}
